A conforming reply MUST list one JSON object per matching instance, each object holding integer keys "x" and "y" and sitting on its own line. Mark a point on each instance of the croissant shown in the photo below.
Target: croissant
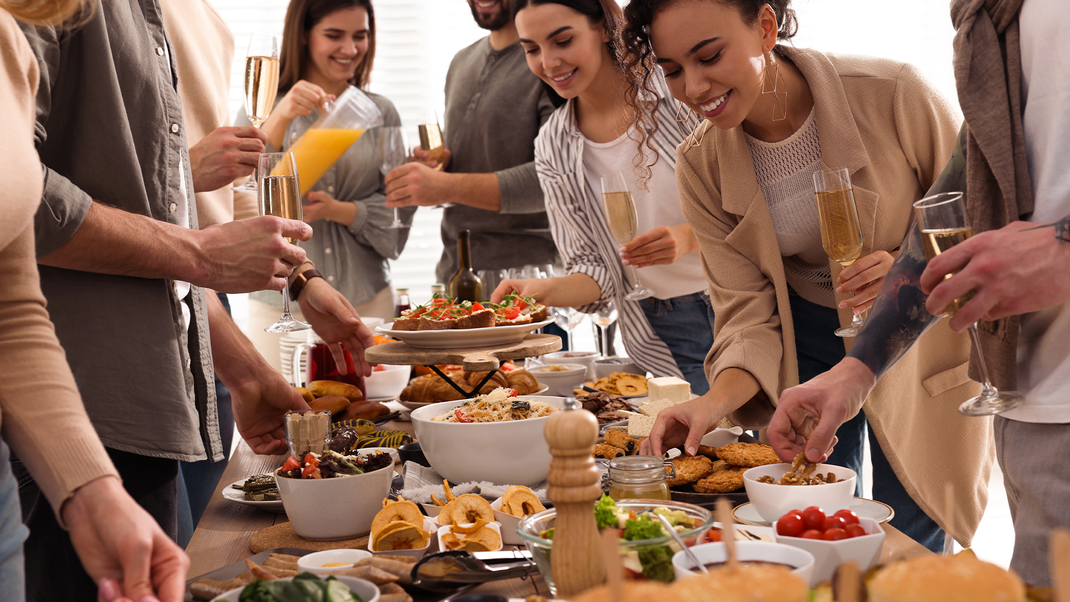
{"x": 523, "y": 381}
{"x": 471, "y": 379}
{"x": 429, "y": 388}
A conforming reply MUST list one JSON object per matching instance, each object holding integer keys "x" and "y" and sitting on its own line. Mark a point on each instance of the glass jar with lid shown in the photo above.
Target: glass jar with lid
{"x": 639, "y": 477}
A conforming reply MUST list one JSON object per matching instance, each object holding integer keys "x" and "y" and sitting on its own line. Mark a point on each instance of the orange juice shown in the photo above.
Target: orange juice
{"x": 317, "y": 150}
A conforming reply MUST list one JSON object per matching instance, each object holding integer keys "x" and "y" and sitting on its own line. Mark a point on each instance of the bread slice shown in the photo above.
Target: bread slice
{"x": 405, "y": 323}
{"x": 521, "y": 319}
{"x": 429, "y": 323}
{"x": 483, "y": 318}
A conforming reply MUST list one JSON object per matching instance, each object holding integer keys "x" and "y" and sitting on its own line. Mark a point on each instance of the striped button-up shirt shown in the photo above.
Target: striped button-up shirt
{"x": 580, "y": 229}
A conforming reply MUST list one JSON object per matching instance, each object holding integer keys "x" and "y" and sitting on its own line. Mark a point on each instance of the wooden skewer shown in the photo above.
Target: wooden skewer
{"x": 614, "y": 566}
{"x": 723, "y": 512}
{"x": 1059, "y": 555}
{"x": 848, "y": 582}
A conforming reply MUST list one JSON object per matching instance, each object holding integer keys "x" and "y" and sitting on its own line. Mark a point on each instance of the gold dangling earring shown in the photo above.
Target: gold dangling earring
{"x": 687, "y": 121}
{"x": 776, "y": 96}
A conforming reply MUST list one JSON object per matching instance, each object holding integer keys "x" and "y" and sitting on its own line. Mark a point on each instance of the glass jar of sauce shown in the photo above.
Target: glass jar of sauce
{"x": 639, "y": 477}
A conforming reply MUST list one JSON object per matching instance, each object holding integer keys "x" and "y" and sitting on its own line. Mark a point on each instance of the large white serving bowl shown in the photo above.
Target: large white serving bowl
{"x": 336, "y": 508}
{"x": 801, "y": 561}
{"x": 504, "y": 453}
{"x": 387, "y": 382}
{"x": 366, "y": 590}
{"x": 772, "y": 501}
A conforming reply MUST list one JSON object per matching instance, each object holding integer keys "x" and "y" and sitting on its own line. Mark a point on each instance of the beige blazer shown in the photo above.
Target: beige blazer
{"x": 894, "y": 133}
{"x": 204, "y": 54}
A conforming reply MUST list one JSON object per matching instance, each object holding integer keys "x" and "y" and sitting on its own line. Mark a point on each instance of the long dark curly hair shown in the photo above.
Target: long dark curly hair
{"x": 638, "y": 58}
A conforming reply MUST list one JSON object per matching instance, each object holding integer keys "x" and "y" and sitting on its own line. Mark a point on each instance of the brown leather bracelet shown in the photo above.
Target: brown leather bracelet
{"x": 300, "y": 281}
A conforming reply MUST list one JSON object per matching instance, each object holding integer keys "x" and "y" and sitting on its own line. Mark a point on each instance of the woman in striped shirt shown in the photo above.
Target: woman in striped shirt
{"x": 570, "y": 45}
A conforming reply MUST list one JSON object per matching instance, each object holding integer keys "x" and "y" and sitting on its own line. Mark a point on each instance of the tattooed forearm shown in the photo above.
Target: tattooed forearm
{"x": 898, "y": 316}
{"x": 1061, "y": 227}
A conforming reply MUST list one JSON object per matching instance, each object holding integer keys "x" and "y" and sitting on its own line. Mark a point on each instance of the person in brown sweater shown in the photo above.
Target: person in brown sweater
{"x": 41, "y": 414}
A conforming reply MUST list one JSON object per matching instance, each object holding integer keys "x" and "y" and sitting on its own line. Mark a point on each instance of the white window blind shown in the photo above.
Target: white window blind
{"x": 418, "y": 38}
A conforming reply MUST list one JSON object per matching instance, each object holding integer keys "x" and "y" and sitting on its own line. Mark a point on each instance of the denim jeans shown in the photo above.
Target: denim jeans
{"x": 198, "y": 480}
{"x": 685, "y": 324}
{"x": 818, "y": 349}
{"x": 12, "y": 533}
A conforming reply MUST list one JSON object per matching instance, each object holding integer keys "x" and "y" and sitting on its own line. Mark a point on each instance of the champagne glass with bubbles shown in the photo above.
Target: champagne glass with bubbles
{"x": 279, "y": 194}
{"x": 261, "y": 84}
{"x": 943, "y": 223}
{"x": 393, "y": 153}
{"x": 841, "y": 233}
{"x": 623, "y": 224}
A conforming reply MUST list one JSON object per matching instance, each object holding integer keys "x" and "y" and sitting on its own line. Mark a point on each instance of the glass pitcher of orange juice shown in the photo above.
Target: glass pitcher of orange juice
{"x": 343, "y": 122}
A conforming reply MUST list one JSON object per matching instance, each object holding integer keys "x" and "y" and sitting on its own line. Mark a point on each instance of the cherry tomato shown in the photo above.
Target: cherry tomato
{"x": 311, "y": 472}
{"x": 849, "y": 517}
{"x": 312, "y": 460}
{"x": 855, "y": 530}
{"x": 378, "y": 368}
{"x": 834, "y": 522}
{"x": 812, "y": 534}
{"x": 713, "y": 535}
{"x": 789, "y": 525}
{"x": 511, "y": 313}
{"x": 476, "y": 306}
{"x": 291, "y": 463}
{"x": 460, "y": 417}
{"x": 834, "y": 534}
{"x": 813, "y": 518}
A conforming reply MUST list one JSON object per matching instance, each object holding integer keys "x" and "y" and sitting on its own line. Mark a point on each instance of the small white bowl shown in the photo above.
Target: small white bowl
{"x": 864, "y": 550}
{"x": 800, "y": 561}
{"x": 314, "y": 562}
{"x": 336, "y": 508}
{"x": 586, "y": 358}
{"x": 721, "y": 437}
{"x": 365, "y": 590}
{"x": 429, "y": 525}
{"x": 446, "y": 529}
{"x": 772, "y": 501}
{"x": 387, "y": 382}
{"x": 605, "y": 366}
{"x": 561, "y": 382}
{"x": 508, "y": 524}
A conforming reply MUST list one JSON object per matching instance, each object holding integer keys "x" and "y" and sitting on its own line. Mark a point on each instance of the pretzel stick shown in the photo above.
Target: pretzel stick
{"x": 614, "y": 567}
{"x": 1059, "y": 553}
{"x": 723, "y": 513}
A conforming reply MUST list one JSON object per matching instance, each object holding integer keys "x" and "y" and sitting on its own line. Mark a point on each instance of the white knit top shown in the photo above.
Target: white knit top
{"x": 785, "y": 172}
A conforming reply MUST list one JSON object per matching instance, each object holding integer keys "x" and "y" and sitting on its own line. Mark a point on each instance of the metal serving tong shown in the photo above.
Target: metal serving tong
{"x": 448, "y": 571}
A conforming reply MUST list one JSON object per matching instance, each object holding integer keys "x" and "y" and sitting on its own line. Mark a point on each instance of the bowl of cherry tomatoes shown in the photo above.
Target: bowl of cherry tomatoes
{"x": 832, "y": 539}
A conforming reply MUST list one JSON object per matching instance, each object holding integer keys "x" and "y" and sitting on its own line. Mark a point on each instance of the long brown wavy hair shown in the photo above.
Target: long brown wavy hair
{"x": 50, "y": 12}
{"x": 638, "y": 54}
{"x": 301, "y": 17}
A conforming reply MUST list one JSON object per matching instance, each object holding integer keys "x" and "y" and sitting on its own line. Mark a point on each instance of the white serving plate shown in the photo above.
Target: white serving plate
{"x": 238, "y": 496}
{"x": 462, "y": 337}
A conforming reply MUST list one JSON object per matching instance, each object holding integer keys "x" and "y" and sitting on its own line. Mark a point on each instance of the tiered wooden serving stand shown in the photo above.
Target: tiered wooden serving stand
{"x": 471, "y": 359}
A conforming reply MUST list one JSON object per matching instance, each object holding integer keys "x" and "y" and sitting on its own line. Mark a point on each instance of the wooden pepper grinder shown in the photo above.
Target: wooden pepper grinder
{"x": 573, "y": 486}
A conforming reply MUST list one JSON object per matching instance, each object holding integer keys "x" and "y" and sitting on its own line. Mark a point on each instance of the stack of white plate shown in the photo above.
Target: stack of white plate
{"x": 286, "y": 348}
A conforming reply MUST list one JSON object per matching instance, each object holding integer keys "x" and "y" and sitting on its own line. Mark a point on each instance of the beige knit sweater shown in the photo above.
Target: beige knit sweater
{"x": 41, "y": 413}
{"x": 894, "y": 132}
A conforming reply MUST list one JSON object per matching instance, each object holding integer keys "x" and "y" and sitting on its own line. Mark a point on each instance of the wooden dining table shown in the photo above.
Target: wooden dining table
{"x": 223, "y": 534}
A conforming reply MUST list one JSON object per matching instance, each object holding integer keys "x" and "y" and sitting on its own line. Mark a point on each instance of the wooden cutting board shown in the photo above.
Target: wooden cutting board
{"x": 283, "y": 536}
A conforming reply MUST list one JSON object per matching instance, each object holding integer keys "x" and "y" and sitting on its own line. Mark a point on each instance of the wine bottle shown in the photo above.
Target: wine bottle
{"x": 465, "y": 284}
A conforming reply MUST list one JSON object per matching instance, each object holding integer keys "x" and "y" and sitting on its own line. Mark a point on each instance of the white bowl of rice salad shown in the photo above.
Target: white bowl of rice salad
{"x": 493, "y": 437}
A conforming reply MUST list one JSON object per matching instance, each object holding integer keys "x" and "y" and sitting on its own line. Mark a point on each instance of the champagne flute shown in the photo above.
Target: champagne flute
{"x": 393, "y": 151}
{"x": 841, "y": 233}
{"x": 431, "y": 138}
{"x": 261, "y": 84}
{"x": 279, "y": 194}
{"x": 943, "y": 223}
{"x": 623, "y": 224}
{"x": 603, "y": 319}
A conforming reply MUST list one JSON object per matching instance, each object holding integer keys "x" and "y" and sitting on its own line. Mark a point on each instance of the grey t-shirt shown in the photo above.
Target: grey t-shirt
{"x": 494, "y": 109}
